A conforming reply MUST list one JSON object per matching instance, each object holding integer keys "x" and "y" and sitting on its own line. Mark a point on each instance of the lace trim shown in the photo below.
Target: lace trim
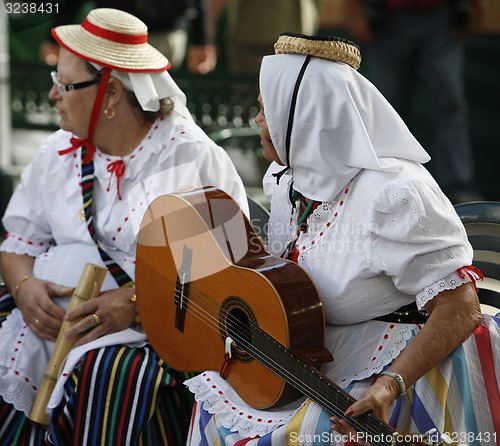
{"x": 231, "y": 413}
{"x": 391, "y": 345}
{"x": 18, "y": 244}
{"x": 16, "y": 392}
{"x": 385, "y": 353}
{"x": 321, "y": 221}
{"x": 450, "y": 282}
{"x": 218, "y": 398}
{"x": 16, "y": 387}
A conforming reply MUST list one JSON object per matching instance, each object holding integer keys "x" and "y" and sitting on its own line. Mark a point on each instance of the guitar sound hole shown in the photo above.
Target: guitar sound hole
{"x": 238, "y": 328}
{"x": 235, "y": 320}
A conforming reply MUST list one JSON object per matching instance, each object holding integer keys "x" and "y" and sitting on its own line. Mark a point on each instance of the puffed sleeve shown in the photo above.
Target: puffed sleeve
{"x": 416, "y": 236}
{"x": 28, "y": 231}
{"x": 218, "y": 170}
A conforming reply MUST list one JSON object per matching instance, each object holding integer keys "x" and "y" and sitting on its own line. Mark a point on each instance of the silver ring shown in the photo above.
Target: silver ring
{"x": 96, "y": 318}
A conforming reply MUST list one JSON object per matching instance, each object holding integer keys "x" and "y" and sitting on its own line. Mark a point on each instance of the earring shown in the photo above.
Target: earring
{"x": 109, "y": 113}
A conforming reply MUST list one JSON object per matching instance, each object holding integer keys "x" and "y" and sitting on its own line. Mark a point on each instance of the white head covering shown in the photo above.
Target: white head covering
{"x": 150, "y": 88}
{"x": 341, "y": 124}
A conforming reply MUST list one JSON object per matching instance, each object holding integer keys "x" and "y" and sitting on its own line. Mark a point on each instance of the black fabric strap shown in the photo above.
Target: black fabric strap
{"x": 409, "y": 314}
{"x": 291, "y": 116}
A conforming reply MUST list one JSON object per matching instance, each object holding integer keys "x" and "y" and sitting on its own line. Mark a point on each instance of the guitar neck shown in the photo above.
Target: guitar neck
{"x": 313, "y": 384}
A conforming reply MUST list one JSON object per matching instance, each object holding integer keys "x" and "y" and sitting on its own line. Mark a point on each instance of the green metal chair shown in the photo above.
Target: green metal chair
{"x": 482, "y": 223}
{"x": 259, "y": 217}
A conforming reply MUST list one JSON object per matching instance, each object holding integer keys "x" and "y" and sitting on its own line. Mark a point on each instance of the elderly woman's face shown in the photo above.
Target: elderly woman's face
{"x": 74, "y": 107}
{"x": 265, "y": 137}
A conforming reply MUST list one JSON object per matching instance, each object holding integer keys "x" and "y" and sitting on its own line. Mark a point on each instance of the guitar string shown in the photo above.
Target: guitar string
{"x": 372, "y": 426}
{"x": 212, "y": 322}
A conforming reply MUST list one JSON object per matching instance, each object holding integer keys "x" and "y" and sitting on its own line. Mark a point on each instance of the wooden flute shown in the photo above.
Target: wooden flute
{"x": 88, "y": 287}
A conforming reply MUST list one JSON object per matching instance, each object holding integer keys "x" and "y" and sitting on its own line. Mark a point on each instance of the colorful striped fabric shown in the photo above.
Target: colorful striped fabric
{"x": 6, "y": 302}
{"x": 117, "y": 396}
{"x": 121, "y": 277}
{"x": 460, "y": 397}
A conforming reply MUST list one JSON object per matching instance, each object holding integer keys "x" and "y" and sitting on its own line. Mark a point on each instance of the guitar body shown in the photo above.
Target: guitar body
{"x": 203, "y": 276}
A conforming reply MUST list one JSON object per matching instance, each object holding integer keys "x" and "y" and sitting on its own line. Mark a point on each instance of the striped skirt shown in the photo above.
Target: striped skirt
{"x": 117, "y": 395}
{"x": 460, "y": 398}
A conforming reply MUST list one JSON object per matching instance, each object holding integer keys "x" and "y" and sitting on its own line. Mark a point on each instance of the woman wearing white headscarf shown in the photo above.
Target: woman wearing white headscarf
{"x": 126, "y": 137}
{"x": 353, "y": 205}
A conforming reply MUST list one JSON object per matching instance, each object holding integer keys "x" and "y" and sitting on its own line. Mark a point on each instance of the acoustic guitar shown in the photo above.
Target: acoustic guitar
{"x": 211, "y": 297}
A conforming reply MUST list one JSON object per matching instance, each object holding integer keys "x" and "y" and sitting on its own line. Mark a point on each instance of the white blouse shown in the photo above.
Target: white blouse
{"x": 43, "y": 220}
{"x": 388, "y": 239}
{"x": 46, "y": 207}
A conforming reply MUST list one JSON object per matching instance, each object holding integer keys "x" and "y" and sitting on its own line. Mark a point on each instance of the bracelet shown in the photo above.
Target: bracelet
{"x": 18, "y": 285}
{"x": 399, "y": 379}
{"x": 137, "y": 319}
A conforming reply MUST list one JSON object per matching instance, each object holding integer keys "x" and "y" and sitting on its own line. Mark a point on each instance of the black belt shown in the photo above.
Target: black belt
{"x": 409, "y": 314}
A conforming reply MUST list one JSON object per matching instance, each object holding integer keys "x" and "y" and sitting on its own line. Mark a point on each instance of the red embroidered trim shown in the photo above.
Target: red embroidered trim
{"x": 118, "y": 168}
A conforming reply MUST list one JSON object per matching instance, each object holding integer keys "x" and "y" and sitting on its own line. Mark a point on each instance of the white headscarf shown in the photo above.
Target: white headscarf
{"x": 150, "y": 87}
{"x": 341, "y": 124}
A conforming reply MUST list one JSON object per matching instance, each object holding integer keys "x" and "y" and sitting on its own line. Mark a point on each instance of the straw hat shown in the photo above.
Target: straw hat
{"x": 334, "y": 49}
{"x": 114, "y": 39}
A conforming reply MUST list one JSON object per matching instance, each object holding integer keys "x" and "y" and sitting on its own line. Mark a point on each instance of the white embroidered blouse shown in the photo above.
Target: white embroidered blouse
{"x": 387, "y": 240}
{"x": 43, "y": 220}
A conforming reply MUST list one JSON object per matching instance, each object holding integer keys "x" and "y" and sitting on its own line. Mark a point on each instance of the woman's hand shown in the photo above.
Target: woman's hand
{"x": 41, "y": 314}
{"x": 454, "y": 314}
{"x": 111, "y": 312}
{"x": 377, "y": 400}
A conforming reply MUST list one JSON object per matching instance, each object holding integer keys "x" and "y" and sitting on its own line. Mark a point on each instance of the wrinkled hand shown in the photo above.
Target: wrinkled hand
{"x": 111, "y": 312}
{"x": 43, "y": 316}
{"x": 377, "y": 399}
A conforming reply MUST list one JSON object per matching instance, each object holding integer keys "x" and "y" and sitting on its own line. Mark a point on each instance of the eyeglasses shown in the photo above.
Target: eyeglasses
{"x": 62, "y": 88}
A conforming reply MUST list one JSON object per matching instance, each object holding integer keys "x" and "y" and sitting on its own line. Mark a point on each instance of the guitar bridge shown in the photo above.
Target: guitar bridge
{"x": 224, "y": 371}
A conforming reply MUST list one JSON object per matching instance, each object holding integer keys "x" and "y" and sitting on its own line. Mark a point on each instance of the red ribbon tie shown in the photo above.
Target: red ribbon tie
{"x": 118, "y": 168}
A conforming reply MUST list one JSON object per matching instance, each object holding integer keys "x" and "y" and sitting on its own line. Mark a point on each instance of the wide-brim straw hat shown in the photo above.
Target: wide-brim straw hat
{"x": 114, "y": 39}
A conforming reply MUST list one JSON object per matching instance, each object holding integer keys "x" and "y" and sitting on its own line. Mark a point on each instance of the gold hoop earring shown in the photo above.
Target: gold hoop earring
{"x": 109, "y": 113}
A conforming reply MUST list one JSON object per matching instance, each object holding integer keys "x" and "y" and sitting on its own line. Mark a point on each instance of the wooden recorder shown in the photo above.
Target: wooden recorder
{"x": 88, "y": 287}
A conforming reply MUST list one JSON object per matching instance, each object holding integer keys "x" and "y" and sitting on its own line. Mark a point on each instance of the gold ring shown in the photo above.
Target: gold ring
{"x": 37, "y": 321}
{"x": 96, "y": 318}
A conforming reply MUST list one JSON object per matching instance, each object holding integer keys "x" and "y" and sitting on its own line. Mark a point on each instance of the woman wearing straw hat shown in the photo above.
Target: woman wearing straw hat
{"x": 126, "y": 136}
{"x": 353, "y": 205}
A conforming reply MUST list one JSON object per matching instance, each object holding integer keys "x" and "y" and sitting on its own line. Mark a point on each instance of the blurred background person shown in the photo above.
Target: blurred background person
{"x": 252, "y": 27}
{"x": 405, "y": 41}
